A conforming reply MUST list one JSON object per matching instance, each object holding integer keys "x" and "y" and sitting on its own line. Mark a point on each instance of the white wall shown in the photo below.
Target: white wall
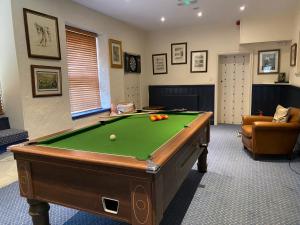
{"x": 217, "y": 40}
{"x": 265, "y": 29}
{"x": 295, "y": 71}
{"x": 47, "y": 115}
{"x": 9, "y": 73}
{"x": 284, "y": 62}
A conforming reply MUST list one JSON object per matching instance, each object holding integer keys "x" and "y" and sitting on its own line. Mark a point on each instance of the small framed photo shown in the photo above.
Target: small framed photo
{"x": 160, "y": 64}
{"x": 42, "y": 35}
{"x": 199, "y": 61}
{"x": 115, "y": 52}
{"x": 46, "y": 81}
{"x": 293, "y": 56}
{"x": 269, "y": 61}
{"x": 179, "y": 53}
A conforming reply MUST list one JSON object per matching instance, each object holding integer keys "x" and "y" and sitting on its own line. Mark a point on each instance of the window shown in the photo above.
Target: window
{"x": 82, "y": 70}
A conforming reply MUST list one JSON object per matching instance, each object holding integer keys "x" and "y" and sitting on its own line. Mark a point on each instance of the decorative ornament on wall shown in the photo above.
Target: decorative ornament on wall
{"x": 132, "y": 63}
{"x": 42, "y": 35}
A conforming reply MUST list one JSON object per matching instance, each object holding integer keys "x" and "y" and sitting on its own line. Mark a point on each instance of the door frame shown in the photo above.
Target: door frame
{"x": 218, "y": 78}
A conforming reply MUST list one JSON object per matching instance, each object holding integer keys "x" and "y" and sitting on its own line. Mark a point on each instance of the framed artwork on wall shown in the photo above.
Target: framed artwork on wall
{"x": 132, "y": 63}
{"x": 115, "y": 53}
{"x": 293, "y": 56}
{"x": 42, "y": 35}
{"x": 160, "y": 64}
{"x": 179, "y": 53}
{"x": 268, "y": 62}
{"x": 199, "y": 61}
{"x": 46, "y": 81}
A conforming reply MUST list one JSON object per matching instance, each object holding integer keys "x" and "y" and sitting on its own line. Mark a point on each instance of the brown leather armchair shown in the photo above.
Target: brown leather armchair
{"x": 262, "y": 136}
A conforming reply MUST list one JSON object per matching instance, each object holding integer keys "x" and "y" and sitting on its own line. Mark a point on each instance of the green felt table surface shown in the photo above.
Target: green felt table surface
{"x": 136, "y": 136}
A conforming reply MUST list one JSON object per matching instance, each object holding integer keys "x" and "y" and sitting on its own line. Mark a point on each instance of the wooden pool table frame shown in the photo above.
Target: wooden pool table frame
{"x": 80, "y": 179}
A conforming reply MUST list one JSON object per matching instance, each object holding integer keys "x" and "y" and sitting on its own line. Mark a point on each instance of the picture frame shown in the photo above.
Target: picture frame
{"x": 46, "y": 81}
{"x": 160, "y": 63}
{"x": 179, "y": 53}
{"x": 42, "y": 35}
{"x": 199, "y": 61}
{"x": 293, "y": 55}
{"x": 268, "y": 61}
{"x": 132, "y": 63}
{"x": 115, "y": 54}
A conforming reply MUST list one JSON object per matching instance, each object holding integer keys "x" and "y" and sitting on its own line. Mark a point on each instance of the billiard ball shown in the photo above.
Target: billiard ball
{"x": 112, "y": 137}
{"x": 159, "y": 117}
{"x": 166, "y": 117}
{"x": 153, "y": 118}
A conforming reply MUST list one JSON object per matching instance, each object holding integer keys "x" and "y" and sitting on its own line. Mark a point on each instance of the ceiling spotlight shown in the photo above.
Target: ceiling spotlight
{"x": 199, "y": 14}
{"x": 163, "y": 19}
{"x": 243, "y": 7}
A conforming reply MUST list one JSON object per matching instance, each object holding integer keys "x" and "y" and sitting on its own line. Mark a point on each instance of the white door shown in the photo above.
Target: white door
{"x": 234, "y": 88}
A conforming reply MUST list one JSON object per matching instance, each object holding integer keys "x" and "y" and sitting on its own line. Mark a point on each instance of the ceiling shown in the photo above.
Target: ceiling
{"x": 146, "y": 14}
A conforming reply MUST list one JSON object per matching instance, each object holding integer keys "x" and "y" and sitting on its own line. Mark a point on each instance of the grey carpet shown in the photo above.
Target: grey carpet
{"x": 235, "y": 190}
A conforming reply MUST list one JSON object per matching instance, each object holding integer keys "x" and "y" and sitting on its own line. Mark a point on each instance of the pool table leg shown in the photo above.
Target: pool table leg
{"x": 39, "y": 212}
{"x": 202, "y": 160}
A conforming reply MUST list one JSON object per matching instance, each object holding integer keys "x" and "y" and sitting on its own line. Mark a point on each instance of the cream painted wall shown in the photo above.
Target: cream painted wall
{"x": 9, "y": 73}
{"x": 284, "y": 62}
{"x": 214, "y": 39}
{"x": 266, "y": 29}
{"x": 218, "y": 40}
{"x": 295, "y": 71}
{"x": 47, "y": 115}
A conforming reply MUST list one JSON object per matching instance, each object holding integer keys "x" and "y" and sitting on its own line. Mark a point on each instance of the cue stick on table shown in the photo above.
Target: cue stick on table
{"x": 141, "y": 113}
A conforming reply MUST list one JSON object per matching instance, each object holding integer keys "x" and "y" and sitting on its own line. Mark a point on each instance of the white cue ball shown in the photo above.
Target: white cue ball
{"x": 112, "y": 137}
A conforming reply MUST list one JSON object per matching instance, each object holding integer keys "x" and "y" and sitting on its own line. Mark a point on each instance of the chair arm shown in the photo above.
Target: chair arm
{"x": 274, "y": 138}
{"x": 273, "y": 126}
{"x": 249, "y": 120}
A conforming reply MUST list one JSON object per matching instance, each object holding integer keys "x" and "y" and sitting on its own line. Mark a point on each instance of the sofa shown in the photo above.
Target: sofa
{"x": 261, "y": 136}
{"x": 10, "y": 136}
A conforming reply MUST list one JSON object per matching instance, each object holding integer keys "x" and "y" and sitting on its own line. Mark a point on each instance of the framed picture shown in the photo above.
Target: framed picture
{"x": 160, "y": 64}
{"x": 293, "y": 56}
{"x": 132, "y": 63}
{"x": 46, "y": 81}
{"x": 179, "y": 53}
{"x": 269, "y": 61}
{"x": 199, "y": 61}
{"x": 115, "y": 52}
{"x": 42, "y": 35}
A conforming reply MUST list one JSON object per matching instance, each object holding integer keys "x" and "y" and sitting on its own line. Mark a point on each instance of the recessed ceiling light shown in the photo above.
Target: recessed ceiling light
{"x": 163, "y": 19}
{"x": 243, "y": 7}
{"x": 199, "y": 14}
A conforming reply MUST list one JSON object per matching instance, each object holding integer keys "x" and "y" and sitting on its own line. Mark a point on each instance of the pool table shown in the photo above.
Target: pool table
{"x": 132, "y": 178}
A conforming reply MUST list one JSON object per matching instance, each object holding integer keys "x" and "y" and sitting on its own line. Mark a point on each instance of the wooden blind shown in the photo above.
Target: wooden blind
{"x": 82, "y": 70}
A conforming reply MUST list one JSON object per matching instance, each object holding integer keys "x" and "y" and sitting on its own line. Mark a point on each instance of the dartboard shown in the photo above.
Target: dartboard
{"x": 132, "y": 63}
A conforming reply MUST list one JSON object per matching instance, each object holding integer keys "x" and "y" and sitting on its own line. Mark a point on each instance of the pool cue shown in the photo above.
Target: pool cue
{"x": 142, "y": 113}
{"x": 127, "y": 114}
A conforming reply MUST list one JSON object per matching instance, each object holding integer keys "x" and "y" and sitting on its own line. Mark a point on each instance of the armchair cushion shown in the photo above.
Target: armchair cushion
{"x": 281, "y": 115}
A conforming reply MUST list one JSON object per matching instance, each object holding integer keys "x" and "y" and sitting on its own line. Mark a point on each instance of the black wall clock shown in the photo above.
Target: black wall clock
{"x": 132, "y": 63}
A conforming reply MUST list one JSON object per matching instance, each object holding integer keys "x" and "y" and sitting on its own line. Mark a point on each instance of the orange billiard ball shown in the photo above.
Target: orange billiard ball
{"x": 153, "y": 118}
{"x": 159, "y": 117}
{"x": 166, "y": 117}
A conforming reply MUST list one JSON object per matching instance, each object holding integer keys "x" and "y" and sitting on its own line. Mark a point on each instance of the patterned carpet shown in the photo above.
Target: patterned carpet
{"x": 235, "y": 190}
